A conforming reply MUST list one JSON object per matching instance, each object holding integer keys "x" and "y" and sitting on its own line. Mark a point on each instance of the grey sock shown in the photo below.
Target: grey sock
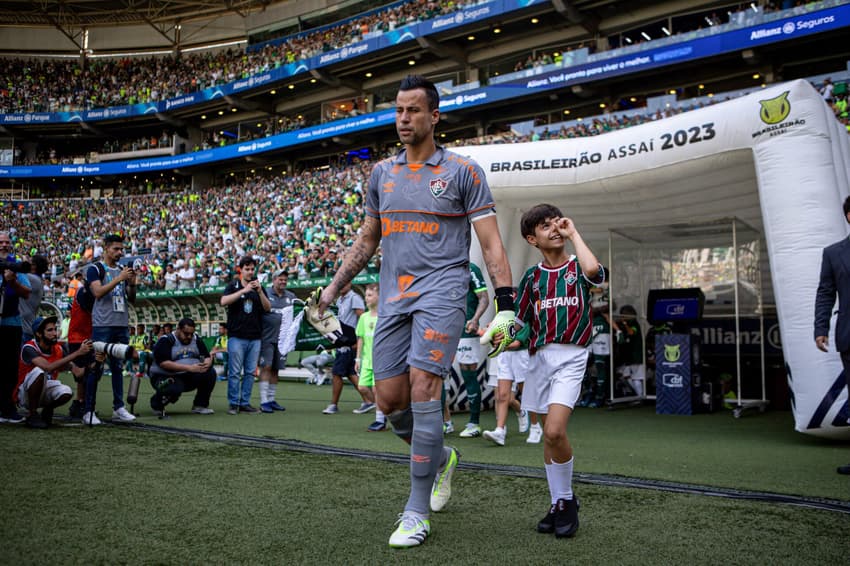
{"x": 426, "y": 451}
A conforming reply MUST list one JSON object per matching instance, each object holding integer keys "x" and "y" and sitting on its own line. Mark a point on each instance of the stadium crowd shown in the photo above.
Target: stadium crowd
{"x": 834, "y": 94}
{"x": 50, "y": 85}
{"x": 300, "y": 223}
{"x": 58, "y": 85}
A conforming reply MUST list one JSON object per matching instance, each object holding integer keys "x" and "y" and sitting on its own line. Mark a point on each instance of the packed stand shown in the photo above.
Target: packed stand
{"x": 301, "y": 223}
{"x": 34, "y": 85}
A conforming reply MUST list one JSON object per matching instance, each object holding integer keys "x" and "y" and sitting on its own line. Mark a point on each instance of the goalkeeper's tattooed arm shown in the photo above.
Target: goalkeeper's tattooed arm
{"x": 495, "y": 257}
{"x": 355, "y": 260}
{"x": 496, "y": 260}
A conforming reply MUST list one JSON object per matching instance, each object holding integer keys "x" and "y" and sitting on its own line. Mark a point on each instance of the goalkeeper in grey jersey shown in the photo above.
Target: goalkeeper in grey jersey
{"x": 420, "y": 206}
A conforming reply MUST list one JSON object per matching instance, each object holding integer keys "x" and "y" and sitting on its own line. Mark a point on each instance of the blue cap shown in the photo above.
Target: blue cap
{"x": 40, "y": 321}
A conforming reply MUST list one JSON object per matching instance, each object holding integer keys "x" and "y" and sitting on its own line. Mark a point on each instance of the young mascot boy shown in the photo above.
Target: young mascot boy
{"x": 553, "y": 297}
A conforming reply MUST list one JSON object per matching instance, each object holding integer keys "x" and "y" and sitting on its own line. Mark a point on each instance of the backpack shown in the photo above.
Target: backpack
{"x": 84, "y": 295}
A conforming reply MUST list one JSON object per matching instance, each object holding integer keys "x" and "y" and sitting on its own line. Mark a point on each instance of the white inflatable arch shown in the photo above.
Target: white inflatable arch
{"x": 777, "y": 159}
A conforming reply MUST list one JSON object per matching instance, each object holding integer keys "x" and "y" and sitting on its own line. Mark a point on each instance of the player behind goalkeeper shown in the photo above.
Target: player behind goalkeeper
{"x": 553, "y": 297}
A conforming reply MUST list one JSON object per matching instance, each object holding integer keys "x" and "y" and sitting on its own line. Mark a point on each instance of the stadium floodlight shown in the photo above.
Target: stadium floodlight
{"x": 646, "y": 36}
{"x": 665, "y": 30}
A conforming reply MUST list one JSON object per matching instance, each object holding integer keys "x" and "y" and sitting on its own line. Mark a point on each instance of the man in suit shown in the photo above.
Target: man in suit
{"x": 835, "y": 278}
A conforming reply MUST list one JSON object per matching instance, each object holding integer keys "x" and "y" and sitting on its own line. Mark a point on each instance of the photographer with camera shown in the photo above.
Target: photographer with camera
{"x": 181, "y": 362}
{"x": 246, "y": 301}
{"x": 42, "y": 358}
{"x": 112, "y": 286}
{"x": 14, "y": 287}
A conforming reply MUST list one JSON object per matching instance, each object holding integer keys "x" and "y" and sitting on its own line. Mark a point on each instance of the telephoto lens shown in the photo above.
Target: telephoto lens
{"x": 117, "y": 351}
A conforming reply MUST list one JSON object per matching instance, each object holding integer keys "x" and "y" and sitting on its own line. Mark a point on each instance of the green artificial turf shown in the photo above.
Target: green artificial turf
{"x": 756, "y": 452}
{"x": 114, "y": 495}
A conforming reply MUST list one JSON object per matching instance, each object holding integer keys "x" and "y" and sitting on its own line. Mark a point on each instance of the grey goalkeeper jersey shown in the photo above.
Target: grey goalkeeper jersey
{"x": 425, "y": 210}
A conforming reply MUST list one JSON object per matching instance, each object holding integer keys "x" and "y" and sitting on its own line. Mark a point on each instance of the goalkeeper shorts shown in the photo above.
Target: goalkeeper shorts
{"x": 426, "y": 340}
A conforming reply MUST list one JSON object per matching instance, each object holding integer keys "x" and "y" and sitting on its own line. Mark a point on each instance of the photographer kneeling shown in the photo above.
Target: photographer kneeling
{"x": 41, "y": 360}
{"x": 181, "y": 362}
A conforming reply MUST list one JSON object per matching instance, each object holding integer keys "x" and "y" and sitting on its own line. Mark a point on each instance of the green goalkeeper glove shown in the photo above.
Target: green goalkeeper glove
{"x": 502, "y": 323}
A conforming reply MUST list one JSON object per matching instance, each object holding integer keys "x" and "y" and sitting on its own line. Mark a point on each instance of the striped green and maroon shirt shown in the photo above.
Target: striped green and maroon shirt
{"x": 555, "y": 301}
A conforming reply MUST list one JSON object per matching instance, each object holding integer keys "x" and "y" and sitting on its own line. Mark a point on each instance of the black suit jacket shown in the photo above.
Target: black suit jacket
{"x": 834, "y": 279}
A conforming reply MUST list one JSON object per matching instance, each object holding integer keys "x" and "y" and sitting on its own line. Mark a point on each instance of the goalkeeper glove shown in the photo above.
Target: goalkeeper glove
{"x": 502, "y": 323}
{"x": 326, "y": 324}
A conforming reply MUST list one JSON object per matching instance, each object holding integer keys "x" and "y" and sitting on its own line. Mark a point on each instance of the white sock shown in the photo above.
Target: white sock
{"x": 379, "y": 416}
{"x": 561, "y": 482}
{"x": 272, "y": 391}
{"x": 264, "y": 391}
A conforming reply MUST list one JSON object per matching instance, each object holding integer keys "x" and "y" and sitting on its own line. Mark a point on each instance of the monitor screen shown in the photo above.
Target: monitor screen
{"x": 675, "y": 305}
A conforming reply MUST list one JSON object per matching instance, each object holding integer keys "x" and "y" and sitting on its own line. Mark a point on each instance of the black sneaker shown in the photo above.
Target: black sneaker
{"x": 76, "y": 410}
{"x": 547, "y": 523}
{"x": 34, "y": 421}
{"x": 566, "y": 517}
{"x": 12, "y": 417}
{"x": 47, "y": 415}
{"x": 377, "y": 426}
{"x": 233, "y": 409}
{"x": 248, "y": 409}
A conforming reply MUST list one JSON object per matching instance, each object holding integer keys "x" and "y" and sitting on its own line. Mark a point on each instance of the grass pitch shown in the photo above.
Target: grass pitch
{"x": 117, "y": 495}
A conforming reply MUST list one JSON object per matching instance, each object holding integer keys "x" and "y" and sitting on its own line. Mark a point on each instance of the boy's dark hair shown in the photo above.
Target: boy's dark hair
{"x": 846, "y": 206}
{"x": 537, "y": 215}
{"x": 412, "y": 82}
{"x": 112, "y": 239}
{"x": 247, "y": 260}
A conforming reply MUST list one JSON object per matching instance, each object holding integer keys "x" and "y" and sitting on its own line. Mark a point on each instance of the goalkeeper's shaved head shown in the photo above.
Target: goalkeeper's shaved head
{"x": 537, "y": 215}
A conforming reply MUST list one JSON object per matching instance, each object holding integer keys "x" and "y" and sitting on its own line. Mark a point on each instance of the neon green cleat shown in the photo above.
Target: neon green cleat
{"x": 412, "y": 530}
{"x": 442, "y": 490}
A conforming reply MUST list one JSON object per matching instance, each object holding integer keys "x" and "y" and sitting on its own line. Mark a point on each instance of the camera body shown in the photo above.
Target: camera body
{"x": 16, "y": 266}
{"x": 117, "y": 351}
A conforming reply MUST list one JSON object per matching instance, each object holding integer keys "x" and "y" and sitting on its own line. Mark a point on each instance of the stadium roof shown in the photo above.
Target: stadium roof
{"x": 91, "y": 13}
